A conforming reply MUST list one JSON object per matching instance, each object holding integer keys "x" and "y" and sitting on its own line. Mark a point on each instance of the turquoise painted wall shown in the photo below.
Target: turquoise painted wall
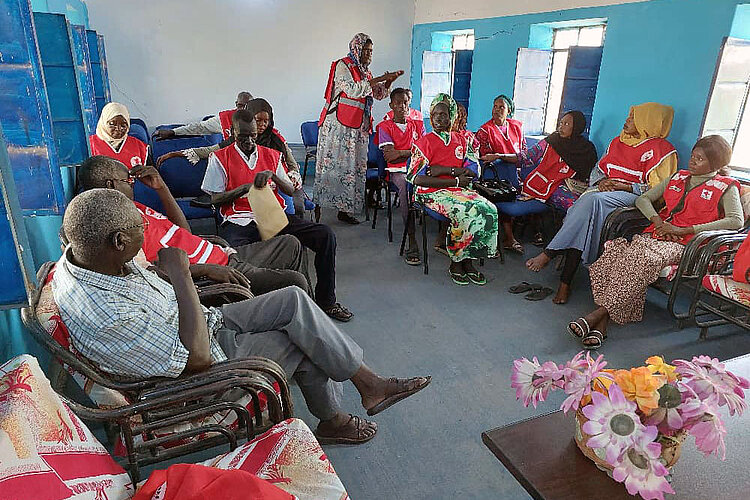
{"x": 661, "y": 50}
{"x": 41, "y": 230}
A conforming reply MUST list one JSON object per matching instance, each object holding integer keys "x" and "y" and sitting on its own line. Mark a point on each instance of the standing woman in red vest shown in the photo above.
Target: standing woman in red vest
{"x": 345, "y": 125}
{"x": 501, "y": 140}
{"x": 636, "y": 161}
{"x": 697, "y": 199}
{"x": 112, "y": 139}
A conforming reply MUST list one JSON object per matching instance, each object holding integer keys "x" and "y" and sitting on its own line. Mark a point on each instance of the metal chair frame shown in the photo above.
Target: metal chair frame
{"x": 159, "y": 403}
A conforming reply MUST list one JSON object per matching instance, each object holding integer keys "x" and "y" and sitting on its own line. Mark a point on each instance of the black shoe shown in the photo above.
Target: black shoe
{"x": 345, "y": 217}
{"x": 339, "y": 312}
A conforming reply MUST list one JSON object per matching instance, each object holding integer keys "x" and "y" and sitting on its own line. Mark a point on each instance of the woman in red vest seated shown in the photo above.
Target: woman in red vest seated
{"x": 345, "y": 126}
{"x": 501, "y": 140}
{"x": 443, "y": 164}
{"x": 564, "y": 154}
{"x": 697, "y": 199}
{"x": 636, "y": 160}
{"x": 112, "y": 139}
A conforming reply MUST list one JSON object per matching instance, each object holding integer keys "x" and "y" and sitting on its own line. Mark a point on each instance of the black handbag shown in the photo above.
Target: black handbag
{"x": 496, "y": 190}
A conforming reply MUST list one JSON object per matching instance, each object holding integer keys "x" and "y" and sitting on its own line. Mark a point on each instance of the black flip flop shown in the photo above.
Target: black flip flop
{"x": 392, "y": 400}
{"x": 539, "y": 293}
{"x": 523, "y": 287}
{"x": 477, "y": 278}
{"x": 459, "y": 278}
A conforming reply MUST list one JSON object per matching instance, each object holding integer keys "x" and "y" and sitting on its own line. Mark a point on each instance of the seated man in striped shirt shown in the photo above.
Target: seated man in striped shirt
{"x": 132, "y": 323}
{"x": 267, "y": 265}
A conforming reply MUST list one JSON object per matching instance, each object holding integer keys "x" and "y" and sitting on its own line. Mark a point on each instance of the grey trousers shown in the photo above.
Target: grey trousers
{"x": 273, "y": 264}
{"x": 288, "y": 327}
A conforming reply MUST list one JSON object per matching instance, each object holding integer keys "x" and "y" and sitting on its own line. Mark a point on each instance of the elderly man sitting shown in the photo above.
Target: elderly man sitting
{"x": 133, "y": 323}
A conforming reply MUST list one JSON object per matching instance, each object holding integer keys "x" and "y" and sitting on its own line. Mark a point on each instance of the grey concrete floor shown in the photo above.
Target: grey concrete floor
{"x": 429, "y": 446}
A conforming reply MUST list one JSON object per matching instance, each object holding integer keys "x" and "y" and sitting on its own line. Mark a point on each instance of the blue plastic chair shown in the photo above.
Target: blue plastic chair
{"x": 181, "y": 177}
{"x": 309, "y": 132}
{"x": 140, "y": 123}
{"x": 139, "y": 132}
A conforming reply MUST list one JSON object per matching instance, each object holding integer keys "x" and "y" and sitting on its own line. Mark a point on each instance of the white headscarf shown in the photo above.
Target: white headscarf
{"x": 108, "y": 112}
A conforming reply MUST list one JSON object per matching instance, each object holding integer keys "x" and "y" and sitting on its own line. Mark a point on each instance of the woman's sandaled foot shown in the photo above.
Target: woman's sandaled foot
{"x": 397, "y": 389}
{"x": 562, "y": 295}
{"x": 538, "y": 240}
{"x": 459, "y": 277}
{"x": 593, "y": 340}
{"x": 339, "y": 312}
{"x": 538, "y": 263}
{"x": 441, "y": 250}
{"x": 356, "y": 430}
{"x": 474, "y": 276}
{"x": 579, "y": 328}
{"x": 514, "y": 247}
{"x": 412, "y": 256}
{"x": 348, "y": 218}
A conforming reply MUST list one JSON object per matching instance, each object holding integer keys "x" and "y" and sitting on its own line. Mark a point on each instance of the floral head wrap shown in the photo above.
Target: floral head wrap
{"x": 355, "y": 51}
{"x": 448, "y": 100}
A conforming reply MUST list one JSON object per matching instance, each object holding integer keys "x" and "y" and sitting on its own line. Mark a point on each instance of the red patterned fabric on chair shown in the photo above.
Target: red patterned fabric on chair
{"x": 727, "y": 287}
{"x": 289, "y": 456}
{"x": 46, "y": 452}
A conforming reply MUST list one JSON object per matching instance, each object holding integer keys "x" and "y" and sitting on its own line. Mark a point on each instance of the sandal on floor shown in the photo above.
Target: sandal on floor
{"x": 539, "y": 293}
{"x": 523, "y": 287}
{"x": 412, "y": 257}
{"x": 584, "y": 331}
{"x": 358, "y": 435}
{"x": 348, "y": 218}
{"x": 395, "y": 398}
{"x": 595, "y": 335}
{"x": 538, "y": 240}
{"x": 459, "y": 278}
{"x": 477, "y": 278}
{"x": 516, "y": 247}
{"x": 339, "y": 312}
{"x": 441, "y": 250}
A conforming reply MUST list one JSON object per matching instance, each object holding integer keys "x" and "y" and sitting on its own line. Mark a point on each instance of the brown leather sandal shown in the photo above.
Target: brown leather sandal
{"x": 357, "y": 435}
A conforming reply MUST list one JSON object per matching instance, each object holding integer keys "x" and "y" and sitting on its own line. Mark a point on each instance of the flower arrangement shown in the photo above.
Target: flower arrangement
{"x": 628, "y": 418}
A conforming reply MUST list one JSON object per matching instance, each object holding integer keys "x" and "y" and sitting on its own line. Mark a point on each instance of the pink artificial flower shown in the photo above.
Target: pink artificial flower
{"x": 578, "y": 384}
{"x": 708, "y": 376}
{"x": 642, "y": 472}
{"x": 613, "y": 424}
{"x": 667, "y": 417}
{"x": 522, "y": 380}
{"x": 574, "y": 366}
{"x": 703, "y": 422}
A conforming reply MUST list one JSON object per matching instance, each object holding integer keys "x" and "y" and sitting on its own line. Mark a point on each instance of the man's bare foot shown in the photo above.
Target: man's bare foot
{"x": 538, "y": 263}
{"x": 391, "y": 392}
{"x": 345, "y": 429}
{"x": 563, "y": 292}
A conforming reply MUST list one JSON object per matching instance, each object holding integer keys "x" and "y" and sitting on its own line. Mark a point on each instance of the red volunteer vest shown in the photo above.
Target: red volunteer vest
{"x": 132, "y": 152}
{"x": 742, "y": 262}
{"x": 162, "y": 233}
{"x": 701, "y": 203}
{"x": 500, "y": 143}
{"x": 238, "y": 173}
{"x": 349, "y": 111}
{"x": 402, "y": 140}
{"x": 634, "y": 163}
{"x": 225, "y": 117}
{"x": 547, "y": 177}
{"x": 438, "y": 153}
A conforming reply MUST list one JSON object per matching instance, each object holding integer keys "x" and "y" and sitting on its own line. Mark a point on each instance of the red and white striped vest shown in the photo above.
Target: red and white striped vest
{"x": 132, "y": 152}
{"x": 634, "y": 163}
{"x": 547, "y": 177}
{"x": 438, "y": 153}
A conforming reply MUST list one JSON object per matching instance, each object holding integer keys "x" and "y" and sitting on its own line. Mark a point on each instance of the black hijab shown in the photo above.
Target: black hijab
{"x": 268, "y": 138}
{"x": 576, "y": 151}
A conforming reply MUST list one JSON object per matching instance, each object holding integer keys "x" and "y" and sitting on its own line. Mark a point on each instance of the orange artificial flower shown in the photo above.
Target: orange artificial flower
{"x": 639, "y": 385}
{"x": 656, "y": 365}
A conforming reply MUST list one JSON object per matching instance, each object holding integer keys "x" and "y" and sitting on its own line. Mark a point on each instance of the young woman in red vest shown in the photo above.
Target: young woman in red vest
{"x": 636, "y": 160}
{"x": 395, "y": 137}
{"x": 345, "y": 126}
{"x": 697, "y": 199}
{"x": 112, "y": 139}
{"x": 562, "y": 155}
{"x": 501, "y": 140}
{"x": 443, "y": 164}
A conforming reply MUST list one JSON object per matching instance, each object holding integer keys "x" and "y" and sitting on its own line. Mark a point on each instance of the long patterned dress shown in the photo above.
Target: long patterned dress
{"x": 341, "y": 162}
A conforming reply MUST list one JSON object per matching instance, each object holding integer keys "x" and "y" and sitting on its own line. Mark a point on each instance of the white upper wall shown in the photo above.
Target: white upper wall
{"x": 178, "y": 60}
{"x": 432, "y": 11}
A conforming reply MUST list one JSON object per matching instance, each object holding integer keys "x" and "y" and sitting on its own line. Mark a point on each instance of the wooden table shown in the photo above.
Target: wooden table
{"x": 541, "y": 454}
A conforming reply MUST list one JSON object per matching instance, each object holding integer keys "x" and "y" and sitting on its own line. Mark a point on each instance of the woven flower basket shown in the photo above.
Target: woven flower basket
{"x": 670, "y": 446}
